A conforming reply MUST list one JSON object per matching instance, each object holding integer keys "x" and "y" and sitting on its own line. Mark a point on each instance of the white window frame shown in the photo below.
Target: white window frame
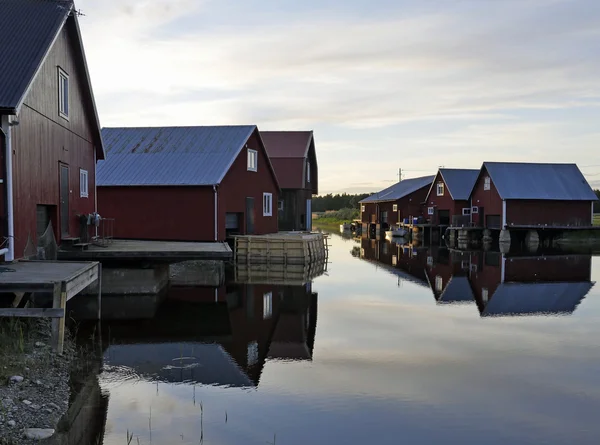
{"x": 267, "y": 204}
{"x": 267, "y": 305}
{"x": 280, "y": 205}
{"x": 307, "y": 171}
{"x": 484, "y": 294}
{"x": 466, "y": 211}
{"x": 474, "y": 210}
{"x": 395, "y": 207}
{"x": 252, "y": 353}
{"x": 252, "y": 160}
{"x": 439, "y": 283}
{"x": 487, "y": 183}
{"x": 83, "y": 183}
{"x": 63, "y": 106}
{"x": 440, "y": 189}
{"x": 362, "y": 208}
{"x": 430, "y": 210}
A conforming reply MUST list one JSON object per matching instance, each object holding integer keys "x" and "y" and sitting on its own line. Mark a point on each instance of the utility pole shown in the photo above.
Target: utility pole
{"x": 399, "y": 175}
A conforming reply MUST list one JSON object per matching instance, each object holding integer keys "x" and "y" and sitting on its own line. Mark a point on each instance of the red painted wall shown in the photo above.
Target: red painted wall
{"x": 43, "y": 140}
{"x": 159, "y": 213}
{"x": 574, "y": 268}
{"x": 551, "y": 213}
{"x": 444, "y": 202}
{"x": 408, "y": 206}
{"x": 488, "y": 199}
{"x": 240, "y": 183}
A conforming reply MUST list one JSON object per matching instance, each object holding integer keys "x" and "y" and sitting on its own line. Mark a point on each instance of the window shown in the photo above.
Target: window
{"x": 440, "y": 189}
{"x": 484, "y": 295}
{"x": 474, "y": 209}
{"x": 466, "y": 212}
{"x": 267, "y": 204}
{"x": 252, "y": 354}
{"x": 439, "y": 284}
{"x": 280, "y": 205}
{"x": 430, "y": 210}
{"x": 395, "y": 208}
{"x": 307, "y": 171}
{"x": 384, "y": 217}
{"x": 362, "y": 208}
{"x": 486, "y": 183}
{"x": 465, "y": 265}
{"x": 394, "y": 260}
{"x": 63, "y": 94}
{"x": 267, "y": 305}
{"x": 430, "y": 261}
{"x": 83, "y": 183}
{"x": 252, "y": 160}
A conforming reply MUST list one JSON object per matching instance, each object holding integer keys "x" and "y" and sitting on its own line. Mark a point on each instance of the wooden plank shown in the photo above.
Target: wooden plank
{"x": 58, "y": 324}
{"x": 32, "y": 313}
{"x": 81, "y": 281}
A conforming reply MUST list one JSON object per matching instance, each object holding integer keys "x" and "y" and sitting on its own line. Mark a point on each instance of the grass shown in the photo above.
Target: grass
{"x": 335, "y": 217}
{"x": 16, "y": 338}
{"x": 597, "y": 219}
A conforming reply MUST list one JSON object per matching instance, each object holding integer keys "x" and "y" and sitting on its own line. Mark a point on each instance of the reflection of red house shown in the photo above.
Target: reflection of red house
{"x": 442, "y": 266}
{"x": 447, "y": 202}
{"x": 519, "y": 194}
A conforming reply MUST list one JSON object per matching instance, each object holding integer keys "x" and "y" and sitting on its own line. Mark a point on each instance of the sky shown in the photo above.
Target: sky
{"x": 384, "y": 84}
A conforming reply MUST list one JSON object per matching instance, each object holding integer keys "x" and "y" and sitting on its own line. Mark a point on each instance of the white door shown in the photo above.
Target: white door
{"x": 308, "y": 214}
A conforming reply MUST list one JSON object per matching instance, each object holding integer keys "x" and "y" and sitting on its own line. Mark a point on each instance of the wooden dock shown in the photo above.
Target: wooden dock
{"x": 61, "y": 278}
{"x": 156, "y": 251}
{"x": 301, "y": 248}
{"x": 287, "y": 275}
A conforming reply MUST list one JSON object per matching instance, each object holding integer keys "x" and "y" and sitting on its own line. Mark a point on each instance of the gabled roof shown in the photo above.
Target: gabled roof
{"x": 459, "y": 182}
{"x": 539, "y": 181}
{"x": 171, "y": 155}
{"x": 458, "y": 290}
{"x": 28, "y": 30}
{"x": 536, "y": 298}
{"x": 287, "y": 144}
{"x": 400, "y": 189}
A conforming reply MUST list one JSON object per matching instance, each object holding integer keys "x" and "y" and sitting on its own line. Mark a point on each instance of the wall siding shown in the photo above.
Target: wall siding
{"x": 159, "y": 213}
{"x": 294, "y": 209}
{"x": 488, "y": 199}
{"x": 240, "y": 183}
{"x": 42, "y": 141}
{"x": 550, "y": 213}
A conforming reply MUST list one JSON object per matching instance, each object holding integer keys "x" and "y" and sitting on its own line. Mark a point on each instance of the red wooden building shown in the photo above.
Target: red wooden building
{"x": 447, "y": 202}
{"x": 531, "y": 195}
{"x": 294, "y": 159}
{"x": 187, "y": 183}
{"x": 50, "y": 138}
{"x": 396, "y": 203}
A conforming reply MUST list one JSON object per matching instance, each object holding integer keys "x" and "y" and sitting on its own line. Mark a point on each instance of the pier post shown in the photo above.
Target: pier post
{"x": 59, "y": 301}
{"x": 532, "y": 240}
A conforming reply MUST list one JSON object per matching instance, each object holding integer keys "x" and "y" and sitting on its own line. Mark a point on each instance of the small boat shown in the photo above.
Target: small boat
{"x": 345, "y": 227}
{"x": 396, "y": 233}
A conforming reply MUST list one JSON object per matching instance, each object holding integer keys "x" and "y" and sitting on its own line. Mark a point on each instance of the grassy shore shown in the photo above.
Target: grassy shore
{"x": 597, "y": 219}
{"x": 333, "y": 219}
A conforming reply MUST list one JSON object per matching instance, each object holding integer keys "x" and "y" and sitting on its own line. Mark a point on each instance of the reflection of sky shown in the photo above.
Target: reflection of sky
{"x": 390, "y": 366}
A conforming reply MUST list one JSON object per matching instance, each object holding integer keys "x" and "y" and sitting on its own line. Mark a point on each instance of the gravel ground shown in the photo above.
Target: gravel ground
{"x": 34, "y": 386}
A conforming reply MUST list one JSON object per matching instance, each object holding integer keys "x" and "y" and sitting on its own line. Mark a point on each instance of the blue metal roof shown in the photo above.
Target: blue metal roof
{"x": 170, "y": 155}
{"x": 459, "y": 181}
{"x": 536, "y": 298}
{"x": 563, "y": 182}
{"x": 27, "y": 30}
{"x": 400, "y": 189}
{"x": 458, "y": 290}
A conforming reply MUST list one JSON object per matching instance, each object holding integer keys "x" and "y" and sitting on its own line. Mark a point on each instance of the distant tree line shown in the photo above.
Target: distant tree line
{"x": 597, "y": 203}
{"x": 336, "y": 202}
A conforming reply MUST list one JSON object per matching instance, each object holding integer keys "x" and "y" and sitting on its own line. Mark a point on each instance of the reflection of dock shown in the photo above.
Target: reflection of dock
{"x": 292, "y": 274}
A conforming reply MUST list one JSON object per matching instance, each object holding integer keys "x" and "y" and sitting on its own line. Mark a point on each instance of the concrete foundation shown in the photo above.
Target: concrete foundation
{"x": 197, "y": 273}
{"x": 532, "y": 241}
{"x": 132, "y": 281}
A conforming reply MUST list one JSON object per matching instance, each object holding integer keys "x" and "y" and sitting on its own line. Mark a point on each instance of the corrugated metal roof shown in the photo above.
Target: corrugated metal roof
{"x": 539, "y": 181}
{"x": 400, "y": 189}
{"x": 170, "y": 155}
{"x": 536, "y": 298}
{"x": 27, "y": 30}
{"x": 458, "y": 290}
{"x": 460, "y": 181}
{"x": 287, "y": 144}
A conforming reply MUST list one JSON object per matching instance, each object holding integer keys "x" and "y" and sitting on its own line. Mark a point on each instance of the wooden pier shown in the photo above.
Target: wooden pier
{"x": 61, "y": 278}
{"x": 301, "y": 248}
{"x": 155, "y": 251}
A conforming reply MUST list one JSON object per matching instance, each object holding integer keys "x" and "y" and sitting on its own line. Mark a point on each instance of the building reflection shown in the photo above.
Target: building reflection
{"x": 215, "y": 336}
{"x": 496, "y": 284}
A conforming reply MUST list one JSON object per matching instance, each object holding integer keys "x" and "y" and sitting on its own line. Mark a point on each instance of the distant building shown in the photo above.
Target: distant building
{"x": 50, "y": 135}
{"x": 447, "y": 201}
{"x": 294, "y": 159}
{"x": 396, "y": 203}
{"x": 187, "y": 183}
{"x": 526, "y": 195}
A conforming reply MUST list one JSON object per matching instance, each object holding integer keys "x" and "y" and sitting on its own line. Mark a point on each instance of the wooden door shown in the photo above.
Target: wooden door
{"x": 64, "y": 201}
{"x": 250, "y": 217}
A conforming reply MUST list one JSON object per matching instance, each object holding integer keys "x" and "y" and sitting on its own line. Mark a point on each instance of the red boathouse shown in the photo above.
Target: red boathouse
{"x": 447, "y": 203}
{"x": 187, "y": 183}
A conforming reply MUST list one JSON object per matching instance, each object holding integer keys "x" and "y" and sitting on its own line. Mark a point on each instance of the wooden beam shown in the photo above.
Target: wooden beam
{"x": 32, "y": 313}
{"x": 58, "y": 324}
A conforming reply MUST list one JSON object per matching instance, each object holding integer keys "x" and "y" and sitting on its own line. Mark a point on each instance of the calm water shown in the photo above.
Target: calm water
{"x": 390, "y": 346}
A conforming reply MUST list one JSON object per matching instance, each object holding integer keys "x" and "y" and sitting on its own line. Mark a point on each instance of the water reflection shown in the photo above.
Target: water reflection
{"x": 214, "y": 336}
{"x": 498, "y": 285}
